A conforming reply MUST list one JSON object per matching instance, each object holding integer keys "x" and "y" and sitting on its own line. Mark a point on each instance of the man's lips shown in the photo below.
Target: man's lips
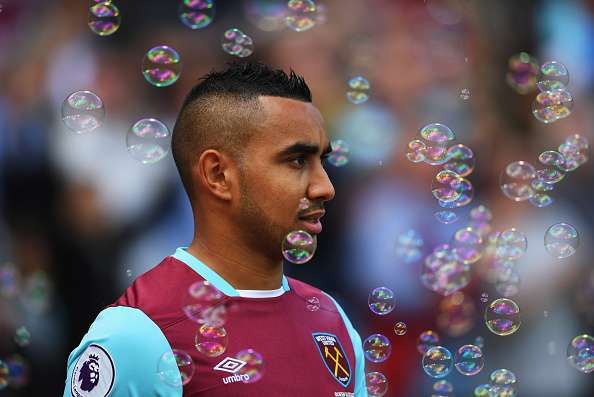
{"x": 312, "y": 222}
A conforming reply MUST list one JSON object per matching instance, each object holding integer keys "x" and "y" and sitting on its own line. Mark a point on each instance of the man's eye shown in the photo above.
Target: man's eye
{"x": 299, "y": 161}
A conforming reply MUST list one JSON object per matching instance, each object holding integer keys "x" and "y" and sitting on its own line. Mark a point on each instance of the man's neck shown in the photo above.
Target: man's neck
{"x": 243, "y": 268}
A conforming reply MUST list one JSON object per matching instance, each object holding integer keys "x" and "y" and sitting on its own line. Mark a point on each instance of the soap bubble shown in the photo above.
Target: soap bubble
{"x": 511, "y": 244}
{"x": 456, "y": 314}
{"x": 340, "y": 153}
{"x": 483, "y": 390}
{"x": 161, "y": 66}
{"x": 196, "y": 14}
{"x": 167, "y": 371}
{"x": 481, "y": 213}
{"x": 580, "y": 353}
{"x": 301, "y": 15}
{"x": 436, "y": 137}
{"x": 460, "y": 160}
{"x": 561, "y": 240}
{"x": 22, "y": 336}
{"x": 148, "y": 140}
{"x": 416, "y": 151}
{"x": 237, "y": 43}
{"x": 469, "y": 360}
{"x": 446, "y": 186}
{"x": 437, "y": 362}
{"x": 502, "y": 317}
{"x": 443, "y": 387}
{"x": 502, "y": 391}
{"x": 576, "y": 152}
{"x": 446, "y": 217}
{"x": 313, "y": 304}
{"x": 467, "y": 245}
{"x": 550, "y": 106}
{"x": 376, "y": 383}
{"x": 203, "y": 304}
{"x": 556, "y": 163}
{"x": 400, "y": 328}
{"x": 254, "y": 367}
{"x": 502, "y": 377}
{"x": 211, "y": 340}
{"x": 427, "y": 340}
{"x": 522, "y": 73}
{"x": 484, "y": 297}
{"x": 377, "y": 348}
{"x": 18, "y": 371}
{"x": 358, "y": 90}
{"x": 466, "y": 193}
{"x": 82, "y": 111}
{"x": 508, "y": 283}
{"x": 553, "y": 76}
{"x": 104, "y": 18}
{"x": 299, "y": 247}
{"x": 408, "y": 246}
{"x": 443, "y": 274}
{"x": 465, "y": 94}
{"x": 479, "y": 341}
{"x": 515, "y": 180}
{"x": 381, "y": 301}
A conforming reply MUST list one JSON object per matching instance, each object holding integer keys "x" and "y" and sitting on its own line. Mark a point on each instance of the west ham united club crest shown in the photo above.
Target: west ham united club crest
{"x": 334, "y": 357}
{"x": 94, "y": 373}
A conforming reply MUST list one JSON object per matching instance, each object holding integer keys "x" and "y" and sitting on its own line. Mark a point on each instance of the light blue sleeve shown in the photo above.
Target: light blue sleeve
{"x": 360, "y": 387}
{"x": 120, "y": 356}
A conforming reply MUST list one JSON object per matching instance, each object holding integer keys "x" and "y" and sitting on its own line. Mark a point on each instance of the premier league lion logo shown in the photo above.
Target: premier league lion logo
{"x": 89, "y": 373}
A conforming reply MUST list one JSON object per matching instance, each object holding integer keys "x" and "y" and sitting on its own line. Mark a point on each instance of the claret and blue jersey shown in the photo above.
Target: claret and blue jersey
{"x": 305, "y": 353}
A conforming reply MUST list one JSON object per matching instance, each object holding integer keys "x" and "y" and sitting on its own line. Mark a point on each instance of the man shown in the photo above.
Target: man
{"x": 249, "y": 145}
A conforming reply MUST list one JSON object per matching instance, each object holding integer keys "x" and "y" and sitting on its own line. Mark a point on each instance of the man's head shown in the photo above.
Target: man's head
{"x": 249, "y": 144}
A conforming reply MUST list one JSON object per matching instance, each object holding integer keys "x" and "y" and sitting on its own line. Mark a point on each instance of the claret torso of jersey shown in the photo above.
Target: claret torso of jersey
{"x": 295, "y": 341}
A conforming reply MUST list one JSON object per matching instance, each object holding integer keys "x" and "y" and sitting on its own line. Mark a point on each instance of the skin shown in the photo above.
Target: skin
{"x": 244, "y": 209}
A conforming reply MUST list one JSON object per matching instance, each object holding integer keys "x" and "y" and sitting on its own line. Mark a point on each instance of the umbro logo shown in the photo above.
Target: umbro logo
{"x": 232, "y": 365}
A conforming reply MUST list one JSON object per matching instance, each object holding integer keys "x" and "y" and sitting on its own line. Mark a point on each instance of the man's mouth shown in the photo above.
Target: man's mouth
{"x": 312, "y": 222}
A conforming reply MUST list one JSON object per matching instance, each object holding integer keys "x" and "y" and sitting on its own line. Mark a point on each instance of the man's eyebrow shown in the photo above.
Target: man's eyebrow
{"x": 304, "y": 148}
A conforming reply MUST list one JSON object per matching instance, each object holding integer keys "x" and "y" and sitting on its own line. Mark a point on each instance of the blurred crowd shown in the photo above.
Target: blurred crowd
{"x": 80, "y": 218}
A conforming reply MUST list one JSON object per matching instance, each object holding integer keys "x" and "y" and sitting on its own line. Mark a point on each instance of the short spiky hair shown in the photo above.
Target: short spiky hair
{"x": 222, "y": 109}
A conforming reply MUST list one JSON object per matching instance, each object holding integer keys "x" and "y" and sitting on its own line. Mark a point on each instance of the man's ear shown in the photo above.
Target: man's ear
{"x": 214, "y": 173}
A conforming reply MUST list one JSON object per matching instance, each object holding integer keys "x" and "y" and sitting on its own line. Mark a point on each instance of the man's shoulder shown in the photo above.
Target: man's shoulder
{"x": 308, "y": 292}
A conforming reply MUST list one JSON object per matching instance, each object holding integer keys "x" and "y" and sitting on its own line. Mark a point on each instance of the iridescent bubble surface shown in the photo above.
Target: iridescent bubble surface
{"x": 561, "y": 240}
{"x": 523, "y": 71}
{"x": 196, "y": 14}
{"x": 580, "y": 353}
{"x": 437, "y": 362}
{"x": 445, "y": 217}
{"x": 502, "y": 377}
{"x": 301, "y": 15}
{"x": 211, "y": 340}
{"x": 358, "y": 91}
{"x": 339, "y": 156}
{"x": 161, "y": 66}
{"x": 254, "y": 367}
{"x": 299, "y": 247}
{"x": 467, "y": 245}
{"x": 376, "y": 383}
{"x": 416, "y": 151}
{"x": 502, "y": 317}
{"x": 469, "y": 360}
{"x": 466, "y": 194}
{"x": 427, "y": 340}
{"x": 437, "y": 137}
{"x": 104, "y": 18}
{"x": 553, "y": 76}
{"x": 381, "y": 301}
{"x": 550, "y": 106}
{"x": 515, "y": 180}
{"x": 511, "y": 244}
{"x": 461, "y": 160}
{"x": 176, "y": 368}
{"x": 400, "y": 328}
{"x": 446, "y": 186}
{"x": 148, "y": 140}
{"x": 237, "y": 43}
{"x": 82, "y": 111}
{"x": 377, "y": 348}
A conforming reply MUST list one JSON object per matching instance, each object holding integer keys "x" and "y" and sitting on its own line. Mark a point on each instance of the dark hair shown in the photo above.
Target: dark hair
{"x": 221, "y": 110}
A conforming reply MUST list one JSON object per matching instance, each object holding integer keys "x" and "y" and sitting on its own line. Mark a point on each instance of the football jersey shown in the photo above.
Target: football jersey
{"x": 305, "y": 344}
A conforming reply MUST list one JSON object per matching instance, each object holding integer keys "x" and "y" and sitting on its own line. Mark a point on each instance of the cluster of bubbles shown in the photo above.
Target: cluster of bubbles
{"x": 237, "y": 43}
{"x": 104, "y": 18}
{"x": 299, "y": 246}
{"x": 553, "y": 102}
{"x": 409, "y": 246}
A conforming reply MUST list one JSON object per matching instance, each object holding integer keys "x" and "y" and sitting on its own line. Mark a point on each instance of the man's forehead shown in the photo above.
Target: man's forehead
{"x": 291, "y": 119}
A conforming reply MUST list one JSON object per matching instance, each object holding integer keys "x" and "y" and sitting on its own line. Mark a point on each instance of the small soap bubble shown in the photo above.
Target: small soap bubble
{"x": 301, "y": 15}
{"x": 176, "y": 368}
{"x": 508, "y": 283}
{"x": 511, "y": 244}
{"x": 4, "y": 375}
{"x": 515, "y": 180}
{"x": 313, "y": 304}
{"x": 437, "y": 362}
{"x": 467, "y": 245}
{"x": 553, "y": 76}
{"x": 484, "y": 297}
{"x": 196, "y": 14}
{"x": 161, "y": 66}
{"x": 436, "y": 137}
{"x": 304, "y": 204}
{"x": 553, "y": 158}
{"x": 469, "y": 360}
{"x": 416, "y": 151}
{"x": 483, "y": 390}
{"x": 104, "y": 18}
{"x": 211, "y": 340}
{"x": 446, "y": 186}
{"x": 376, "y": 383}
{"x": 465, "y": 94}
{"x": 237, "y": 43}
{"x": 254, "y": 367}
{"x": 481, "y": 213}
{"x": 466, "y": 190}
{"x": 408, "y": 246}
{"x": 18, "y": 371}
{"x": 502, "y": 377}
{"x": 377, "y": 348}
{"x": 479, "y": 341}
{"x": 550, "y": 106}
{"x": 22, "y": 336}
{"x": 427, "y": 340}
{"x": 456, "y": 314}
{"x": 148, "y": 140}
{"x": 522, "y": 73}
{"x": 381, "y": 301}
{"x": 541, "y": 200}
{"x": 502, "y": 317}
{"x": 202, "y": 303}
{"x": 128, "y": 273}
{"x": 400, "y": 328}
{"x": 83, "y": 111}
{"x": 580, "y": 353}
{"x": 339, "y": 156}
{"x": 561, "y": 240}
{"x": 358, "y": 90}
{"x": 574, "y": 155}
{"x": 541, "y": 186}
{"x": 299, "y": 247}
{"x": 446, "y": 217}
{"x": 502, "y": 391}
{"x": 443, "y": 387}
{"x": 460, "y": 160}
